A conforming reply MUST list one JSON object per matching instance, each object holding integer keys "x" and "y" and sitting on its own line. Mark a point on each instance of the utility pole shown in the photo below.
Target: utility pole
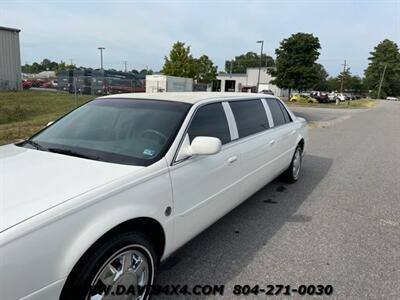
{"x": 72, "y": 62}
{"x": 101, "y": 56}
{"x": 259, "y": 68}
{"x": 125, "y": 62}
{"x": 380, "y": 83}
{"x": 344, "y": 73}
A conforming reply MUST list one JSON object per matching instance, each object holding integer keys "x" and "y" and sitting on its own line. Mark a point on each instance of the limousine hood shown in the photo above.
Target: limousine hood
{"x": 33, "y": 181}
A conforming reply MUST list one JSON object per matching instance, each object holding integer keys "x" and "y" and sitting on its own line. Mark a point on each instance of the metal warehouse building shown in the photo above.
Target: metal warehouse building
{"x": 10, "y": 59}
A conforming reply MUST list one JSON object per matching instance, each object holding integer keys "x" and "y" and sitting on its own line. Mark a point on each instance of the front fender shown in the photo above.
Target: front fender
{"x": 140, "y": 201}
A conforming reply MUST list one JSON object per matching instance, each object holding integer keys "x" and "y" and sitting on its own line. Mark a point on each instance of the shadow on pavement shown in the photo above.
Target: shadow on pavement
{"x": 222, "y": 251}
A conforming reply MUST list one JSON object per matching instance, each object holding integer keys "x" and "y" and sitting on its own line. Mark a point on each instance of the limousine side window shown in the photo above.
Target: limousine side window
{"x": 210, "y": 120}
{"x": 278, "y": 115}
{"x": 250, "y": 116}
{"x": 288, "y": 119}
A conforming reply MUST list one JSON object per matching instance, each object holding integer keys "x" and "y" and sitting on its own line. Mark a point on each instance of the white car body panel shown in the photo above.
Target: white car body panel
{"x": 80, "y": 175}
{"x": 199, "y": 206}
{"x": 58, "y": 206}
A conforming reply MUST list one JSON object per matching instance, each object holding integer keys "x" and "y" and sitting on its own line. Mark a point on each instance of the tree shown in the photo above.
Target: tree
{"x": 180, "y": 62}
{"x": 385, "y": 57}
{"x": 295, "y": 62}
{"x": 355, "y": 84}
{"x": 63, "y": 66}
{"x": 321, "y": 83}
{"x": 333, "y": 84}
{"x": 46, "y": 65}
{"x": 206, "y": 71}
{"x": 344, "y": 79}
{"x": 248, "y": 60}
{"x": 146, "y": 72}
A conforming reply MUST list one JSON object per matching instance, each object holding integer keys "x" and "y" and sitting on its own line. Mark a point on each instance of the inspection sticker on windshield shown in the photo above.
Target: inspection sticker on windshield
{"x": 149, "y": 152}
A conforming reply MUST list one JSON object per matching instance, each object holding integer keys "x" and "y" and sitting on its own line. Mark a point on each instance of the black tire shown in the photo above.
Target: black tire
{"x": 291, "y": 175}
{"x": 79, "y": 282}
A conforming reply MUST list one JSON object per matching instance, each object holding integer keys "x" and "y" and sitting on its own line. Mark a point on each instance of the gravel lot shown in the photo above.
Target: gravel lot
{"x": 338, "y": 225}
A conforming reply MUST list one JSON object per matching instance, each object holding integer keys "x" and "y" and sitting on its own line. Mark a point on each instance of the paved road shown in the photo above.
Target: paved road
{"x": 338, "y": 225}
{"x": 316, "y": 114}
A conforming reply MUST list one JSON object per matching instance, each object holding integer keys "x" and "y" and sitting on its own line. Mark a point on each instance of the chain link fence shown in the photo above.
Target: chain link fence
{"x": 99, "y": 83}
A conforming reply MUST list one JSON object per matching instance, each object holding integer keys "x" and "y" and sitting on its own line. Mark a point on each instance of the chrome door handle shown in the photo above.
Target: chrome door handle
{"x": 271, "y": 142}
{"x": 232, "y": 159}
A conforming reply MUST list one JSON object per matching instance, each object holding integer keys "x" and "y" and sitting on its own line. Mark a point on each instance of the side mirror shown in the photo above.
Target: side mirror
{"x": 205, "y": 145}
{"x": 48, "y": 124}
{"x": 201, "y": 145}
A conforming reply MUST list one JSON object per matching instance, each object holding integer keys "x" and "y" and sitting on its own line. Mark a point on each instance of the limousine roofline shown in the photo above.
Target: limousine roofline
{"x": 187, "y": 97}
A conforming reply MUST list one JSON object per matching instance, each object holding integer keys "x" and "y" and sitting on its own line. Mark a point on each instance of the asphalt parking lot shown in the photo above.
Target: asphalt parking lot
{"x": 316, "y": 114}
{"x": 338, "y": 225}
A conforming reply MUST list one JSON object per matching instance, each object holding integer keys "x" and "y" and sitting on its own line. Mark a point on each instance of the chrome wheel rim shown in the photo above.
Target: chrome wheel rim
{"x": 296, "y": 164}
{"x": 132, "y": 268}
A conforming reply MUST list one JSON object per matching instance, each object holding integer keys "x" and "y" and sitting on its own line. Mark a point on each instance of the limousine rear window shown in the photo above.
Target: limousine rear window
{"x": 276, "y": 111}
{"x": 250, "y": 117}
{"x": 285, "y": 112}
{"x": 124, "y": 131}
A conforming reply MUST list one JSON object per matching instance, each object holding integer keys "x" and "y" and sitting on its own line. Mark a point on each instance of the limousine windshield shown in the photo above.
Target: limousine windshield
{"x": 125, "y": 131}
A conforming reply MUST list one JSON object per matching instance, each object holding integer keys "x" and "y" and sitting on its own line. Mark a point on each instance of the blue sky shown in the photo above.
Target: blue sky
{"x": 142, "y": 32}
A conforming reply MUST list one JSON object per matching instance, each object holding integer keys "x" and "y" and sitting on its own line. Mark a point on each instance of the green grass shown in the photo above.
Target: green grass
{"x": 362, "y": 103}
{"x": 24, "y": 113}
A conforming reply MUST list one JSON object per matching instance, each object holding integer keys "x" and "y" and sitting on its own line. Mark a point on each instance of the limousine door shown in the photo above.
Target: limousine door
{"x": 255, "y": 138}
{"x": 284, "y": 132}
{"x": 205, "y": 187}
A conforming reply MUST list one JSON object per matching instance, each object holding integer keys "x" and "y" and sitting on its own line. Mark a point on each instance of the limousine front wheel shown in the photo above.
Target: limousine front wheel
{"x": 121, "y": 268}
{"x": 292, "y": 174}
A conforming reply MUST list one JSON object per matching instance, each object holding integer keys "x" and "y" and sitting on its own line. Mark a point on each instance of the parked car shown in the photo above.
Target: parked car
{"x": 99, "y": 197}
{"x": 267, "y": 92}
{"x": 46, "y": 85}
{"x": 392, "y": 98}
{"x": 321, "y": 97}
{"x": 341, "y": 97}
{"x": 302, "y": 99}
{"x": 26, "y": 84}
{"x": 332, "y": 97}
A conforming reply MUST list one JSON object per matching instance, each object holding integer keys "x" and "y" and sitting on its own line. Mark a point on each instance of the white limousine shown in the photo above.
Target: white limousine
{"x": 101, "y": 196}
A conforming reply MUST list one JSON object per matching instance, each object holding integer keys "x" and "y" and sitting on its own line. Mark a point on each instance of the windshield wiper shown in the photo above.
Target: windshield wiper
{"x": 71, "y": 153}
{"x": 34, "y": 144}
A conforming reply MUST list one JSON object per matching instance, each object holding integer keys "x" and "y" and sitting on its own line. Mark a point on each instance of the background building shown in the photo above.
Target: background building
{"x": 163, "y": 83}
{"x": 247, "y": 82}
{"x": 10, "y": 59}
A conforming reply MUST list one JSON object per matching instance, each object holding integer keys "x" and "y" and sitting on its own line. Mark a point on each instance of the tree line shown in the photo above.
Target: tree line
{"x": 294, "y": 68}
{"x": 48, "y": 65}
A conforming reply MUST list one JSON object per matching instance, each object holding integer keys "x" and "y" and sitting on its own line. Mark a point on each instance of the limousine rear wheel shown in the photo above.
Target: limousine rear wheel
{"x": 292, "y": 174}
{"x": 121, "y": 268}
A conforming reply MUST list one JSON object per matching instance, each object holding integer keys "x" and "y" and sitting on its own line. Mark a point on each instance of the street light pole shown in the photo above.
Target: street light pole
{"x": 259, "y": 68}
{"x": 101, "y": 56}
{"x": 126, "y": 65}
